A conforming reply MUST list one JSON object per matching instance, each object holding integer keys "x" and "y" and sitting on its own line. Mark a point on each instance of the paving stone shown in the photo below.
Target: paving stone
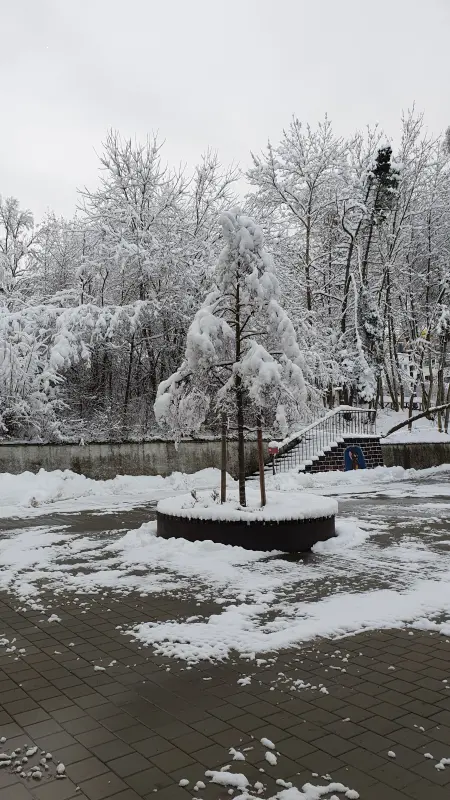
{"x": 422, "y": 709}
{"x": 389, "y": 711}
{"x": 428, "y": 771}
{"x": 103, "y": 786}
{"x": 232, "y": 738}
{"x": 170, "y": 760}
{"x": 321, "y": 762}
{"x": 335, "y": 745}
{"x": 421, "y": 789}
{"x": 394, "y": 775}
{"x": 152, "y": 746}
{"x": 170, "y": 793}
{"x": 87, "y": 768}
{"x": 71, "y": 754}
{"x": 166, "y": 725}
{"x": 172, "y": 730}
{"x": 129, "y": 764}
{"x": 363, "y": 759}
{"x": 41, "y": 729}
{"x": 374, "y": 742}
{"x": 15, "y": 792}
{"x": 226, "y": 712}
{"x": 306, "y": 731}
{"x": 354, "y": 713}
{"x": 68, "y": 713}
{"x": 210, "y": 726}
{"x": 191, "y": 742}
{"x": 95, "y": 736}
{"x": 80, "y": 725}
{"x": 153, "y": 778}
{"x": 410, "y": 738}
{"x": 381, "y": 791}
{"x": 296, "y": 748}
{"x": 55, "y": 790}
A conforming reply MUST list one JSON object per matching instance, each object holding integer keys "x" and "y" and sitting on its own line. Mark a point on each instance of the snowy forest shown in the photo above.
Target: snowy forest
{"x": 94, "y": 310}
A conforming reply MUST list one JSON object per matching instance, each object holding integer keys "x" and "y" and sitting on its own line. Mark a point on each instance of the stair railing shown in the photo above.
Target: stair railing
{"x": 300, "y": 448}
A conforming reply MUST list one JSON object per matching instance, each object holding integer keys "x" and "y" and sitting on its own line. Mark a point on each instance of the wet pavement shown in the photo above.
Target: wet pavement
{"x": 129, "y": 724}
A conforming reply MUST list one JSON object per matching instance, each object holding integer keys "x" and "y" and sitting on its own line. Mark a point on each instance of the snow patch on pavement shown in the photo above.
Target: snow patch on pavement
{"x": 250, "y": 627}
{"x": 264, "y": 601}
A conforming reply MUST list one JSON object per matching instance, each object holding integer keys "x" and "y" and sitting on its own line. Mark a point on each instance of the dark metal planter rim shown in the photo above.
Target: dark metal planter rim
{"x": 292, "y": 536}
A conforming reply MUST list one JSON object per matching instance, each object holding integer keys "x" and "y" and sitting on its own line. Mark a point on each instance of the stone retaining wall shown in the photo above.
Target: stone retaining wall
{"x": 106, "y": 460}
{"x": 417, "y": 455}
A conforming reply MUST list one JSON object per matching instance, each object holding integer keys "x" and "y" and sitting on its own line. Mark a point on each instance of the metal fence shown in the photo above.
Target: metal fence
{"x": 313, "y": 439}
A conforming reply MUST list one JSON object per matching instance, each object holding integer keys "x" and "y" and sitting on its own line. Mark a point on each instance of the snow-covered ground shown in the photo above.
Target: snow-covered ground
{"x": 424, "y": 430}
{"x": 389, "y": 565}
{"x": 31, "y": 495}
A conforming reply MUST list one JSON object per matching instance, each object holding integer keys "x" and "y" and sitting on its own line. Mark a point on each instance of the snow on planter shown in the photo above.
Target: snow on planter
{"x": 281, "y": 506}
{"x": 289, "y": 522}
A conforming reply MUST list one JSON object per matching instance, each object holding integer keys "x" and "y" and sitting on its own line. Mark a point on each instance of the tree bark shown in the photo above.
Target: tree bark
{"x": 239, "y": 400}
{"x": 223, "y": 463}
{"x": 262, "y": 481}
{"x": 128, "y": 384}
{"x": 447, "y": 410}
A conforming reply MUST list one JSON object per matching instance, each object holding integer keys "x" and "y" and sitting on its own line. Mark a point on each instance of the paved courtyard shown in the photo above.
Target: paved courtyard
{"x": 217, "y": 664}
{"x": 138, "y": 727}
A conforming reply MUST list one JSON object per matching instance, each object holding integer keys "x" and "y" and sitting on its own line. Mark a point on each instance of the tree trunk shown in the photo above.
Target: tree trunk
{"x": 308, "y": 259}
{"x": 223, "y": 462}
{"x": 239, "y": 401}
{"x": 262, "y": 481}
{"x": 447, "y": 410}
{"x": 410, "y": 408}
{"x": 128, "y": 384}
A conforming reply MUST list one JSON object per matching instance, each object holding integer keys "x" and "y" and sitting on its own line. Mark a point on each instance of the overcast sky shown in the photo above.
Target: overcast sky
{"x": 201, "y": 72}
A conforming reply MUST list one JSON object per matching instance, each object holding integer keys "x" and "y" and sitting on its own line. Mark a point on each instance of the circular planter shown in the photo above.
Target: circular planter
{"x": 251, "y": 528}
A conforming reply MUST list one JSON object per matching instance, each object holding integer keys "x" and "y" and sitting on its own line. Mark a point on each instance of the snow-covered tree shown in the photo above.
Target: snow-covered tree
{"x": 358, "y": 228}
{"x": 16, "y": 236}
{"x": 242, "y": 355}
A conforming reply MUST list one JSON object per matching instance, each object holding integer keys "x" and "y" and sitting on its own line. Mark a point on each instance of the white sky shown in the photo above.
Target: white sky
{"x": 228, "y": 75}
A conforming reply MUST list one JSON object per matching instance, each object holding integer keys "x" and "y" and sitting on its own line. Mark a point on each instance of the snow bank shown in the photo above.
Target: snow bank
{"x": 280, "y": 506}
{"x": 353, "y": 481}
{"x": 30, "y": 494}
{"x": 424, "y": 430}
{"x": 417, "y": 436}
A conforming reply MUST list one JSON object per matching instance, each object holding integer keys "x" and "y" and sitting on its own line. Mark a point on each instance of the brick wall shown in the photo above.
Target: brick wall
{"x": 334, "y": 458}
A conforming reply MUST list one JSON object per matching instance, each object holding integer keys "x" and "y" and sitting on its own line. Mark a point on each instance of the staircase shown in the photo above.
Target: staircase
{"x": 320, "y": 447}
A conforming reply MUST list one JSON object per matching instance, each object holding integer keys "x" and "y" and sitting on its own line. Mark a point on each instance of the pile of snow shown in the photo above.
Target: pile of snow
{"x": 280, "y": 506}
{"x": 29, "y": 494}
{"x": 359, "y": 481}
{"x": 416, "y": 436}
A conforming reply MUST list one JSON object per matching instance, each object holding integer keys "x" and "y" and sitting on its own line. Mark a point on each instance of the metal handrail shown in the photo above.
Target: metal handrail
{"x": 301, "y": 448}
